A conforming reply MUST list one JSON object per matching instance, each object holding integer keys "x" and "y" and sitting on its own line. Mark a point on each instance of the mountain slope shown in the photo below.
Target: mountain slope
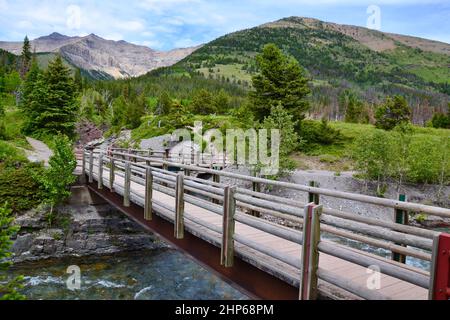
{"x": 336, "y": 56}
{"x": 102, "y": 58}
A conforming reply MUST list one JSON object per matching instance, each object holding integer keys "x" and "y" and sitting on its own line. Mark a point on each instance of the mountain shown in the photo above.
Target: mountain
{"x": 336, "y": 57}
{"x": 102, "y": 58}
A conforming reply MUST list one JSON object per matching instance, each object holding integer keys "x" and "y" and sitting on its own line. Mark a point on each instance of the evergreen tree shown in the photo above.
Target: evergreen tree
{"x": 135, "y": 111}
{"x": 222, "y": 102}
{"x": 203, "y": 103}
{"x": 353, "y": 107}
{"x": 26, "y": 57}
{"x": 53, "y": 106}
{"x": 28, "y": 85}
{"x": 78, "y": 80}
{"x": 164, "y": 104}
{"x": 281, "y": 81}
{"x": 393, "y": 112}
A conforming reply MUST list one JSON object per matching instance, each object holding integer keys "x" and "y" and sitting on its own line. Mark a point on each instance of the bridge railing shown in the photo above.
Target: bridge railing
{"x": 312, "y": 221}
{"x": 192, "y": 157}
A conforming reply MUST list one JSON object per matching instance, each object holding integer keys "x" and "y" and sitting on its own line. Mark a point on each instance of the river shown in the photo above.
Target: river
{"x": 149, "y": 275}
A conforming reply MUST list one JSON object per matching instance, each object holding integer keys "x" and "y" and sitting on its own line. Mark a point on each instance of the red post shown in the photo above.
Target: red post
{"x": 441, "y": 269}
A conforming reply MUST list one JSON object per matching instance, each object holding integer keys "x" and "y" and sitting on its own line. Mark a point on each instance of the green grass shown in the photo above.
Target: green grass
{"x": 9, "y": 152}
{"x": 351, "y": 131}
{"x": 231, "y": 71}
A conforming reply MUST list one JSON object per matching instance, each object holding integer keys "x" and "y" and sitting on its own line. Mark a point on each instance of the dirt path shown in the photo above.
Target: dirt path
{"x": 41, "y": 152}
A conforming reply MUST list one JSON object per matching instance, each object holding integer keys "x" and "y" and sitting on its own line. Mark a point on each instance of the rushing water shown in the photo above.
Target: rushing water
{"x": 150, "y": 275}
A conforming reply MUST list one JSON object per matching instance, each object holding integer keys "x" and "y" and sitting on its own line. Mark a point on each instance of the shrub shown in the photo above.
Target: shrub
{"x": 314, "y": 132}
{"x": 441, "y": 120}
{"x": 373, "y": 156}
{"x": 18, "y": 186}
{"x": 8, "y": 289}
{"x": 59, "y": 176}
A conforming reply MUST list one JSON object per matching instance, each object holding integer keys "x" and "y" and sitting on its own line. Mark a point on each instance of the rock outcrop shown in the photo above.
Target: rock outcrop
{"x": 79, "y": 230}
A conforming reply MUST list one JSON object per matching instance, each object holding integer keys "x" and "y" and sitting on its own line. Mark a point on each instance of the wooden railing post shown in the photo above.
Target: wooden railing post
{"x": 100, "y": 171}
{"x": 256, "y": 187}
{"x": 313, "y": 197}
{"x": 91, "y": 166}
{"x": 166, "y": 158}
{"x": 216, "y": 178}
{"x": 127, "y": 185}
{"x": 229, "y": 209}
{"x": 400, "y": 217}
{"x": 83, "y": 168}
{"x": 440, "y": 268}
{"x": 179, "y": 207}
{"x": 310, "y": 252}
{"x": 112, "y": 174}
{"x": 148, "y": 213}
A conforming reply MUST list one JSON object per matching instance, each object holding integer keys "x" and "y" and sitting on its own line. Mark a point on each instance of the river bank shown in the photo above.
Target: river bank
{"x": 78, "y": 230}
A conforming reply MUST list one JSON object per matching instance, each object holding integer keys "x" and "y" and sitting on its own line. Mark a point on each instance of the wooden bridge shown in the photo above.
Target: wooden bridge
{"x": 223, "y": 227}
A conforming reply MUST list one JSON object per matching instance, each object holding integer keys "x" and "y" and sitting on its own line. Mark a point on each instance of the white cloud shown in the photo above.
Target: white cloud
{"x": 153, "y": 44}
{"x": 24, "y": 24}
{"x": 3, "y": 5}
{"x": 184, "y": 43}
{"x": 132, "y": 25}
{"x": 73, "y": 21}
{"x": 113, "y": 36}
{"x": 160, "y": 6}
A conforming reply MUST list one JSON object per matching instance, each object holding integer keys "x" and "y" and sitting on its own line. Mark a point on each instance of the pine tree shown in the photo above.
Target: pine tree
{"x": 393, "y": 112}
{"x": 26, "y": 57}
{"x": 28, "y": 85}
{"x": 53, "y": 106}
{"x": 78, "y": 80}
{"x": 222, "y": 102}
{"x": 164, "y": 104}
{"x": 281, "y": 81}
{"x": 203, "y": 103}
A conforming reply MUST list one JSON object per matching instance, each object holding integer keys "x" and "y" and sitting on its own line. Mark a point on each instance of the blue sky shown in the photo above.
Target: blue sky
{"x": 166, "y": 24}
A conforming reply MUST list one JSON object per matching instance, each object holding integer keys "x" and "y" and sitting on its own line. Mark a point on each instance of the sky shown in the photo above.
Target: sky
{"x": 168, "y": 24}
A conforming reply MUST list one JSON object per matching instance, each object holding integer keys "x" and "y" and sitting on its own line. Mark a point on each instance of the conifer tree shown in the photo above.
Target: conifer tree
{"x": 281, "y": 81}
{"x": 26, "y": 57}
{"x": 29, "y": 84}
{"x": 53, "y": 105}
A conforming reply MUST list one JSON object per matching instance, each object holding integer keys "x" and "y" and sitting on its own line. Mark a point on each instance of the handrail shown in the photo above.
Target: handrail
{"x": 409, "y": 206}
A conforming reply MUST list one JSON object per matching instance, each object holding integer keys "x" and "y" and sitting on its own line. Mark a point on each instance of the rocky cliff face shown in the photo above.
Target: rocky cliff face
{"x": 95, "y": 55}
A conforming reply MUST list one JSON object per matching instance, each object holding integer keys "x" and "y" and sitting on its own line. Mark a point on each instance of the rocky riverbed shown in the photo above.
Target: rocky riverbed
{"x": 347, "y": 182}
{"x": 78, "y": 230}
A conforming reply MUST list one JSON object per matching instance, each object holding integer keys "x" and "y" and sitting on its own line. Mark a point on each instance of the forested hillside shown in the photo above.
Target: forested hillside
{"x": 372, "y": 68}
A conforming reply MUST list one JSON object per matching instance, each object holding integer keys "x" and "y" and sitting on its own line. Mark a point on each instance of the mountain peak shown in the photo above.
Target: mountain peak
{"x": 54, "y": 36}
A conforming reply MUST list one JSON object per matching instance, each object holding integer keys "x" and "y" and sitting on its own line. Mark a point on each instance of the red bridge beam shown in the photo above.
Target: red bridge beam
{"x": 440, "y": 289}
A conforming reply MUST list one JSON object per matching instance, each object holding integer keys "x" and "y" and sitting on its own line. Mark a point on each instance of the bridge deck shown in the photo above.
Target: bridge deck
{"x": 390, "y": 287}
